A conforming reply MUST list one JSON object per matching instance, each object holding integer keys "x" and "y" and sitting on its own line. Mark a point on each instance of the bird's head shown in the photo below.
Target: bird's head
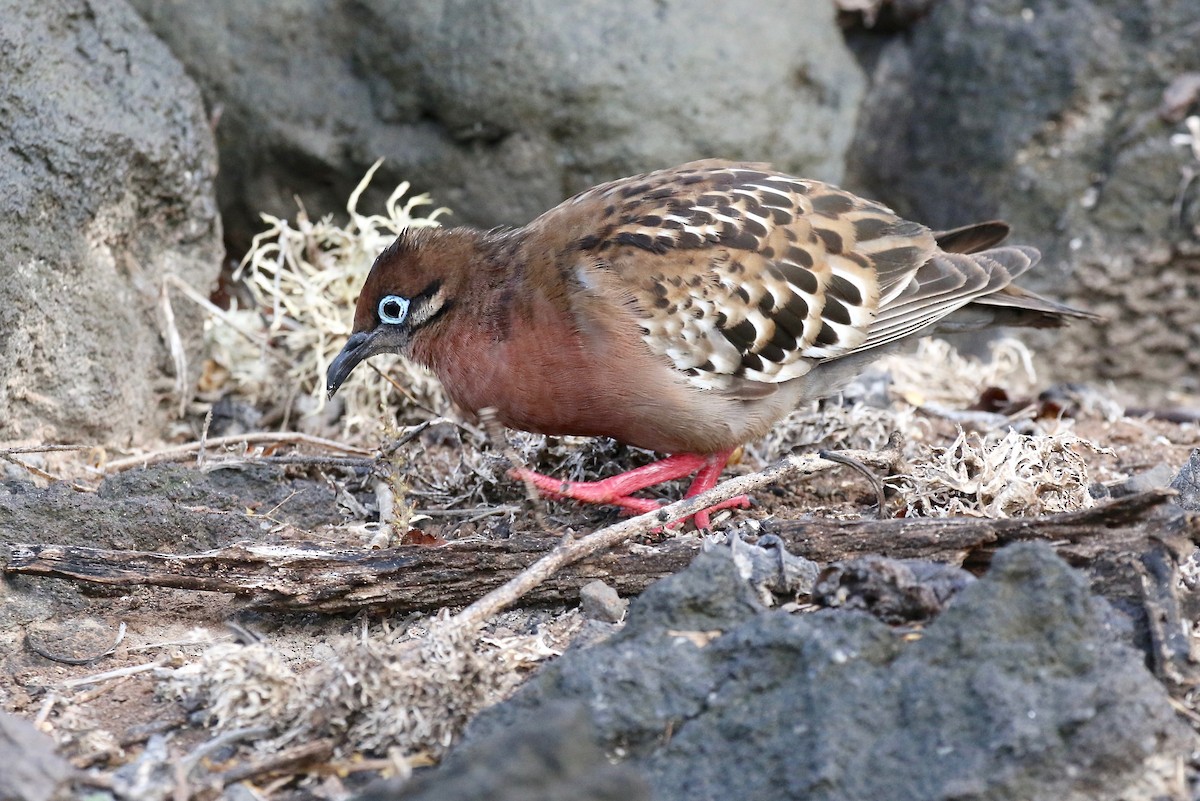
{"x": 408, "y": 292}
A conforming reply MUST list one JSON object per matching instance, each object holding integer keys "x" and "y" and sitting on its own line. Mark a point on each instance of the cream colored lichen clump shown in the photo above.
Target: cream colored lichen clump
{"x": 304, "y": 278}
{"x": 412, "y": 693}
{"x": 938, "y": 374}
{"x": 999, "y": 475}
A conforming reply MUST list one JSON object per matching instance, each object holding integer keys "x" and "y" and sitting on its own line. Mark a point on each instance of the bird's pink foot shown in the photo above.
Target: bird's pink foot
{"x": 618, "y": 490}
{"x": 705, "y": 480}
{"x": 703, "y": 519}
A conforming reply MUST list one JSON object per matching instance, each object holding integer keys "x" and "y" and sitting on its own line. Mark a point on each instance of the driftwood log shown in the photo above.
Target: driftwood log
{"x": 423, "y": 578}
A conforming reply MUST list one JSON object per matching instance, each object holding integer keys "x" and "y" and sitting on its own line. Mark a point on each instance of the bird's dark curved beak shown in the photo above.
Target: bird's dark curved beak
{"x": 357, "y": 348}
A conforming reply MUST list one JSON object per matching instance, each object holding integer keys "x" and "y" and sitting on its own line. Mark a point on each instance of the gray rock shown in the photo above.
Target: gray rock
{"x": 1187, "y": 483}
{"x": 598, "y": 601}
{"x": 166, "y": 508}
{"x": 107, "y": 170}
{"x": 501, "y": 109}
{"x": 1046, "y": 113}
{"x": 777, "y": 575}
{"x": 1019, "y": 690}
{"x": 552, "y": 758}
{"x": 893, "y": 590}
{"x": 32, "y": 770}
{"x": 1156, "y": 477}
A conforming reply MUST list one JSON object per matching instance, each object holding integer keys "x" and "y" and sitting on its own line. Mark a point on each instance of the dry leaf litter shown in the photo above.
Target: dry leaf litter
{"x": 411, "y": 690}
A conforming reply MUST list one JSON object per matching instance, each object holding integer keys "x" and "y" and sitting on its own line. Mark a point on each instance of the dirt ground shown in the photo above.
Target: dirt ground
{"x": 96, "y": 666}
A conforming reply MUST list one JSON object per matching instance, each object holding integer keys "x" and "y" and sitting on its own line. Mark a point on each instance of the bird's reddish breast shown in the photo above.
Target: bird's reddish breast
{"x": 554, "y": 378}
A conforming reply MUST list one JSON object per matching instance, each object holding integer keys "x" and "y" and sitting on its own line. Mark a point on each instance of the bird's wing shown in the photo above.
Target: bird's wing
{"x": 740, "y": 275}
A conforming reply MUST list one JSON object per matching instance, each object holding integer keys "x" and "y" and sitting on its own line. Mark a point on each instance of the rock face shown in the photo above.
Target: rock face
{"x": 32, "y": 770}
{"x": 1187, "y": 483}
{"x": 1048, "y": 113}
{"x": 501, "y": 109}
{"x": 1019, "y": 690}
{"x": 107, "y": 171}
{"x": 550, "y": 759}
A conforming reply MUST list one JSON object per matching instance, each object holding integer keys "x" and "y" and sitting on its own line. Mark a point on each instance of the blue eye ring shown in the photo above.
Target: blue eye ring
{"x": 393, "y": 309}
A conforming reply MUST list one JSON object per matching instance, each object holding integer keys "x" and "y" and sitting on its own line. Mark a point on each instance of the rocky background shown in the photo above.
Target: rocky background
{"x": 1067, "y": 117}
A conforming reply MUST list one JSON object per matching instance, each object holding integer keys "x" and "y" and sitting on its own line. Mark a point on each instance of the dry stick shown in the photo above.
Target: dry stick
{"x": 208, "y": 416}
{"x": 45, "y": 448}
{"x": 225, "y": 317}
{"x": 40, "y": 473}
{"x": 790, "y": 467}
{"x": 178, "y": 352}
{"x": 43, "y": 652}
{"x": 876, "y": 481}
{"x": 400, "y": 388}
{"x": 307, "y": 459}
{"x": 118, "y": 673}
{"x": 8, "y": 455}
{"x": 185, "y": 451}
{"x": 185, "y": 766}
{"x": 290, "y": 759}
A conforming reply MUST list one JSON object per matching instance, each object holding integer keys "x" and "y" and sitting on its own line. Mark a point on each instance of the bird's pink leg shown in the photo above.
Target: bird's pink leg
{"x": 618, "y": 490}
{"x": 705, "y": 480}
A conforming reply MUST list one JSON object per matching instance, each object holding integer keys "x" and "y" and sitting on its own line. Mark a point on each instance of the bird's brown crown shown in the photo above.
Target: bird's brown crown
{"x": 418, "y": 267}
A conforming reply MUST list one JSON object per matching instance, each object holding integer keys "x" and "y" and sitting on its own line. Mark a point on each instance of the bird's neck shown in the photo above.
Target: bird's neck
{"x": 508, "y": 301}
{"x": 493, "y": 285}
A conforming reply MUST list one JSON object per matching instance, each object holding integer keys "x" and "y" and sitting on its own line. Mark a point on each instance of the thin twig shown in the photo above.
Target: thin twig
{"x": 208, "y": 416}
{"x": 181, "y": 452}
{"x": 40, "y": 473}
{"x": 43, "y": 652}
{"x": 475, "y": 513}
{"x": 44, "y": 713}
{"x": 396, "y": 385}
{"x": 312, "y": 460}
{"x": 109, "y": 675}
{"x": 225, "y": 317}
{"x": 861, "y": 469}
{"x": 289, "y": 759}
{"x": 185, "y": 766}
{"x": 791, "y": 467}
{"x": 45, "y": 448}
{"x": 97, "y": 691}
{"x": 385, "y": 500}
{"x": 175, "y": 344}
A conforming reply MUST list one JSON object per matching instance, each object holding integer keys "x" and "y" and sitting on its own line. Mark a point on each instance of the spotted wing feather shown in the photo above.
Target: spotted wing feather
{"x": 758, "y": 276}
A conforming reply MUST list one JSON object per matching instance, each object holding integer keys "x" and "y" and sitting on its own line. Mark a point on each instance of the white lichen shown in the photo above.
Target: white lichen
{"x": 408, "y": 691}
{"x": 999, "y": 475}
{"x": 938, "y": 374}
{"x": 304, "y": 278}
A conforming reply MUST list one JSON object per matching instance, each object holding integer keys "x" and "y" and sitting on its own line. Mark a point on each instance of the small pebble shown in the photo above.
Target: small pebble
{"x": 1187, "y": 483}
{"x": 601, "y": 602}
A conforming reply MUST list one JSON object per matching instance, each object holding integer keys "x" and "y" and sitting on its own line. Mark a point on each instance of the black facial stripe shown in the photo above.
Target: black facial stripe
{"x": 429, "y": 291}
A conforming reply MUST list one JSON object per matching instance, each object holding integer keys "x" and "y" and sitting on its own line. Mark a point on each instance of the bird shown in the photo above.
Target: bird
{"x": 684, "y": 311}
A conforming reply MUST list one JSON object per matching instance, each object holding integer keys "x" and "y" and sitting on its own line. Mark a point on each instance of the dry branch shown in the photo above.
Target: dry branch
{"x": 405, "y": 578}
{"x": 189, "y": 450}
{"x": 1122, "y": 525}
{"x": 414, "y": 577}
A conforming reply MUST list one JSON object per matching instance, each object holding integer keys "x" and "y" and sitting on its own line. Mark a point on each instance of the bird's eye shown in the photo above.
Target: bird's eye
{"x": 393, "y": 309}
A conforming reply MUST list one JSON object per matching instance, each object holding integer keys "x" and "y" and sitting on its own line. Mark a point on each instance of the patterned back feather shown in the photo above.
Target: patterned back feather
{"x": 758, "y": 276}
